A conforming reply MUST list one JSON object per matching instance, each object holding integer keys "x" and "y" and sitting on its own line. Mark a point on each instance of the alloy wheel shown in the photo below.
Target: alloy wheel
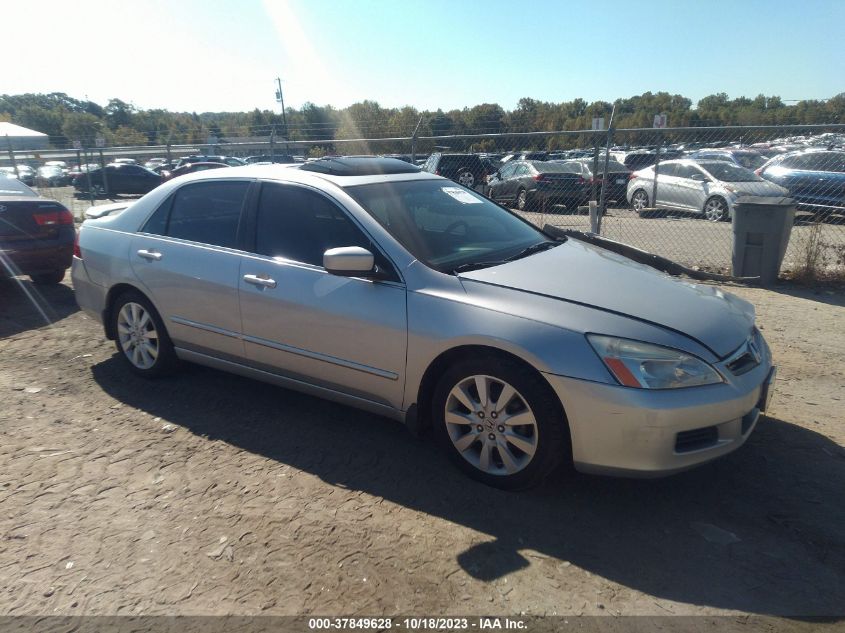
{"x": 715, "y": 210}
{"x": 491, "y": 425}
{"x": 639, "y": 201}
{"x": 137, "y": 334}
{"x": 521, "y": 200}
{"x": 466, "y": 179}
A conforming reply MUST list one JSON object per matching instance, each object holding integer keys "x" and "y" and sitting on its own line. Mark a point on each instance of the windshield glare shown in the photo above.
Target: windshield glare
{"x": 728, "y": 172}
{"x": 445, "y": 225}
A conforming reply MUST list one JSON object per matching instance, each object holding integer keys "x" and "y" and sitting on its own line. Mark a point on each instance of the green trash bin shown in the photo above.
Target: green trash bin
{"x": 761, "y": 230}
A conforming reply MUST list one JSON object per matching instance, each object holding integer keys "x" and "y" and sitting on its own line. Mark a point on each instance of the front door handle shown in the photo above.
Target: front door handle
{"x": 149, "y": 255}
{"x": 264, "y": 282}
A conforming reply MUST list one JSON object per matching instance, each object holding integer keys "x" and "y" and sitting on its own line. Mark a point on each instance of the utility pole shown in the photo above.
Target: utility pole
{"x": 280, "y": 98}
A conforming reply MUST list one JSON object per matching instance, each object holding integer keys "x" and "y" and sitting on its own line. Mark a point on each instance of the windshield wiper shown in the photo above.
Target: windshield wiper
{"x": 464, "y": 268}
{"x": 535, "y": 248}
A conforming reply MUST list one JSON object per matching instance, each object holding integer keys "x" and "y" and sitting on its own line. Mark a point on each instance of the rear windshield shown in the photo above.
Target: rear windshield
{"x": 14, "y": 187}
{"x": 558, "y": 168}
{"x": 728, "y": 172}
{"x": 750, "y": 160}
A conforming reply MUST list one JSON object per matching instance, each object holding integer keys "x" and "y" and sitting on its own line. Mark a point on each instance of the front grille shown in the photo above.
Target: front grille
{"x": 742, "y": 364}
{"x": 696, "y": 439}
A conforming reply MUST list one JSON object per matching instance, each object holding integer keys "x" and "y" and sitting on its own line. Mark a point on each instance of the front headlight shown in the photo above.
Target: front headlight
{"x": 647, "y": 366}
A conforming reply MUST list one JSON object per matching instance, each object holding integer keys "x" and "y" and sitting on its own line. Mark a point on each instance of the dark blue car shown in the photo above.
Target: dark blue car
{"x": 815, "y": 178}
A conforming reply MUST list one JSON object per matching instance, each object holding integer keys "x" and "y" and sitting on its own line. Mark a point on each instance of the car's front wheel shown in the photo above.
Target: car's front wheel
{"x": 140, "y": 336}
{"x": 716, "y": 209}
{"x": 500, "y": 422}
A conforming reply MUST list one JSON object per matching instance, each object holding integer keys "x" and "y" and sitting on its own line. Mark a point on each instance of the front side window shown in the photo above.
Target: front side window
{"x": 298, "y": 224}
{"x": 443, "y": 225}
{"x": 206, "y": 212}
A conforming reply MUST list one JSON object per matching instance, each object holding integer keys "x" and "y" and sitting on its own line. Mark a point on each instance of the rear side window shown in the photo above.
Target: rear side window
{"x": 206, "y": 212}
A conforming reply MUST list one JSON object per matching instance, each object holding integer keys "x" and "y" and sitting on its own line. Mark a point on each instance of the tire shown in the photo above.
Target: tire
{"x": 507, "y": 456}
{"x": 716, "y": 209}
{"x": 52, "y": 278}
{"x": 155, "y": 355}
{"x": 640, "y": 202}
{"x": 522, "y": 200}
{"x": 465, "y": 178}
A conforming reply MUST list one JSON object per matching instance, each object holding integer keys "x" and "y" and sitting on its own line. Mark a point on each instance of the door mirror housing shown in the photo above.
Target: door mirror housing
{"x": 350, "y": 261}
{"x": 699, "y": 178}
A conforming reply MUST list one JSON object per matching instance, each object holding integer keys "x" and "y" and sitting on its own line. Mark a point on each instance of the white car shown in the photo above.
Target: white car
{"x": 709, "y": 187}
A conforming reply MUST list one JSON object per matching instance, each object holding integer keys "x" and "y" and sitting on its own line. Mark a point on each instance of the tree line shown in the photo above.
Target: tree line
{"x": 65, "y": 119}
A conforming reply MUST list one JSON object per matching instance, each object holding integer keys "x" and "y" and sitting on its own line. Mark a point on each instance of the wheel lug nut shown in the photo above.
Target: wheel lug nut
{"x": 480, "y": 428}
{"x": 481, "y": 414}
{"x": 500, "y": 428}
{"x": 494, "y": 415}
{"x": 491, "y": 436}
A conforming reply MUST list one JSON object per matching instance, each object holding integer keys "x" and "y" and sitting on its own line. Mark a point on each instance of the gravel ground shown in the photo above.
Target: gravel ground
{"x": 211, "y": 494}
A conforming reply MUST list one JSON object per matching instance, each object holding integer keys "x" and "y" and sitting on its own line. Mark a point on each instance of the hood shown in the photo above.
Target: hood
{"x": 587, "y": 275}
{"x": 757, "y": 188}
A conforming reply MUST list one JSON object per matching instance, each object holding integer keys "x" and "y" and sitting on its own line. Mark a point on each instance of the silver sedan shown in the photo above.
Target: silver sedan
{"x": 708, "y": 187}
{"x": 373, "y": 284}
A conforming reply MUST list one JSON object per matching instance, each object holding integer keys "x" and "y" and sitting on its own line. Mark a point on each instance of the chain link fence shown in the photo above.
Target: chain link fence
{"x": 669, "y": 191}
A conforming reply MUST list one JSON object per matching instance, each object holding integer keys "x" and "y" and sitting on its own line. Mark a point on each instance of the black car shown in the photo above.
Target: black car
{"x": 231, "y": 161}
{"x": 640, "y": 159}
{"x": 465, "y": 169}
{"x": 36, "y": 234}
{"x": 747, "y": 158}
{"x": 285, "y": 159}
{"x": 617, "y": 178}
{"x": 538, "y": 185}
{"x": 815, "y": 178}
{"x": 119, "y": 178}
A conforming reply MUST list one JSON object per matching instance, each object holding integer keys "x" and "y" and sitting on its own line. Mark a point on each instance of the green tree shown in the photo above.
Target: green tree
{"x": 83, "y": 127}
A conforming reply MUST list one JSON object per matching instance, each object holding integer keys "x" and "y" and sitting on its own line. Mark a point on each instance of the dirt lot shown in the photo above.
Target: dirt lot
{"x": 212, "y": 494}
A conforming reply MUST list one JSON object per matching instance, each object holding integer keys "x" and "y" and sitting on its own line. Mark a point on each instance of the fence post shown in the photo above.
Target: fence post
{"x": 169, "y": 160}
{"x": 273, "y": 144}
{"x": 88, "y": 172}
{"x": 603, "y": 195}
{"x": 12, "y": 155}
{"x": 414, "y": 142}
{"x": 595, "y": 170}
{"x": 656, "y": 168}
{"x": 103, "y": 168}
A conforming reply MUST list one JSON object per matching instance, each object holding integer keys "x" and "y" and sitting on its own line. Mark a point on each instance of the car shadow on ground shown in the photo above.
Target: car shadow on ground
{"x": 26, "y": 306}
{"x": 833, "y": 295}
{"x": 759, "y": 531}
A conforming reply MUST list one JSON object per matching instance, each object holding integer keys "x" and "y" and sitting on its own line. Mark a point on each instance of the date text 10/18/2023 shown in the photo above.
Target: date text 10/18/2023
{"x": 417, "y": 623}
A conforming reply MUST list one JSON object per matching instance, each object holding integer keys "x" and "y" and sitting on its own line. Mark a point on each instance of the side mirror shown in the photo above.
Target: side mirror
{"x": 698, "y": 178}
{"x": 349, "y": 261}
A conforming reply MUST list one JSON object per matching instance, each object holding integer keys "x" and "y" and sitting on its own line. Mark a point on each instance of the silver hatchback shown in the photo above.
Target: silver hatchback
{"x": 373, "y": 284}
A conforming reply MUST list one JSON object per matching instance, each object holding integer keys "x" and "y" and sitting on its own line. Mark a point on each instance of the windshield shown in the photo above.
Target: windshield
{"x": 749, "y": 160}
{"x": 444, "y": 225}
{"x": 14, "y": 187}
{"x": 728, "y": 172}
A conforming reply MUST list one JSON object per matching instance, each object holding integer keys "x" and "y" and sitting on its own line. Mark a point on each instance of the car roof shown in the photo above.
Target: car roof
{"x": 296, "y": 172}
{"x": 359, "y": 166}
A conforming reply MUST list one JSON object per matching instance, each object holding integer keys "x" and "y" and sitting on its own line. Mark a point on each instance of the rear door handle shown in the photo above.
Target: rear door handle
{"x": 264, "y": 282}
{"x": 149, "y": 255}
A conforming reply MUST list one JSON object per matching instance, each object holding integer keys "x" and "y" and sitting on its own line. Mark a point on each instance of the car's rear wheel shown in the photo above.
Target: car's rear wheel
{"x": 48, "y": 279}
{"x": 140, "y": 336}
{"x": 522, "y": 200}
{"x": 499, "y": 423}
{"x": 466, "y": 178}
{"x": 716, "y": 209}
{"x": 640, "y": 203}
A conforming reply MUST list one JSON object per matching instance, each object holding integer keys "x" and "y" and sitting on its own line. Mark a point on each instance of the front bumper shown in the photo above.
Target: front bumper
{"x": 644, "y": 433}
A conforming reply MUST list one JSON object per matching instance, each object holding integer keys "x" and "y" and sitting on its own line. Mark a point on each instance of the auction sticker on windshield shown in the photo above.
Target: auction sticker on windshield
{"x": 464, "y": 197}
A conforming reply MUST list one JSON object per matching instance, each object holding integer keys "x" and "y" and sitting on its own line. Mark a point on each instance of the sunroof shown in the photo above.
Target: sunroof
{"x": 360, "y": 166}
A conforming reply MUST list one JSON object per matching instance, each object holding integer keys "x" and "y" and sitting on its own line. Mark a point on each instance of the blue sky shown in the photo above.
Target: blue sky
{"x": 211, "y": 55}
